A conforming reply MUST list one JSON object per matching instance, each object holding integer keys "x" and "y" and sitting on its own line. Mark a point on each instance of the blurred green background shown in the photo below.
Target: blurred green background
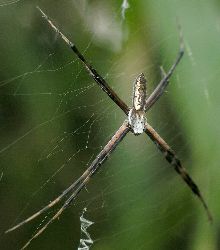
{"x": 55, "y": 120}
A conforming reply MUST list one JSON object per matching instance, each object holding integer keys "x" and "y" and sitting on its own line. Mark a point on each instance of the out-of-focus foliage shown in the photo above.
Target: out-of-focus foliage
{"x": 53, "y": 115}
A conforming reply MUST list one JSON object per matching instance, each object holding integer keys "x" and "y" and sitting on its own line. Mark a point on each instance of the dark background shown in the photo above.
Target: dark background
{"x": 53, "y": 116}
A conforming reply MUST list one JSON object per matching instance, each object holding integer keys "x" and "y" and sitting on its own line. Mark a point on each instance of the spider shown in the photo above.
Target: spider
{"x": 135, "y": 123}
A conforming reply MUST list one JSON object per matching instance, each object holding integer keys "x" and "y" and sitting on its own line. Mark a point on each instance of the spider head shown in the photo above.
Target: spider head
{"x": 137, "y": 121}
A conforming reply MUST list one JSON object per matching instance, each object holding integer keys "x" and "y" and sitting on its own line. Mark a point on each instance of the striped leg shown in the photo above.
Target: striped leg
{"x": 77, "y": 186}
{"x": 95, "y": 75}
{"x": 171, "y": 157}
{"x": 159, "y": 90}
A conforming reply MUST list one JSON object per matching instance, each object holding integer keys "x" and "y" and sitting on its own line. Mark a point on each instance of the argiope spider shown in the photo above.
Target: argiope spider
{"x": 135, "y": 123}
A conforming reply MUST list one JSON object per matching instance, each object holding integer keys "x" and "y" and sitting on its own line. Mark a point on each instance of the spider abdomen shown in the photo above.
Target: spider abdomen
{"x": 139, "y": 93}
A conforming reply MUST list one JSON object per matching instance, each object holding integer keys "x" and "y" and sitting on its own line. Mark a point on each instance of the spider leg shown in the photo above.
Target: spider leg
{"x": 159, "y": 90}
{"x": 95, "y": 75}
{"x": 78, "y": 185}
{"x": 171, "y": 157}
{"x": 44, "y": 209}
{"x": 59, "y": 212}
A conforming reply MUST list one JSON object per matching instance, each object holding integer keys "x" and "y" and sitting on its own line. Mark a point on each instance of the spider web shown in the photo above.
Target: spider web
{"x": 55, "y": 120}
